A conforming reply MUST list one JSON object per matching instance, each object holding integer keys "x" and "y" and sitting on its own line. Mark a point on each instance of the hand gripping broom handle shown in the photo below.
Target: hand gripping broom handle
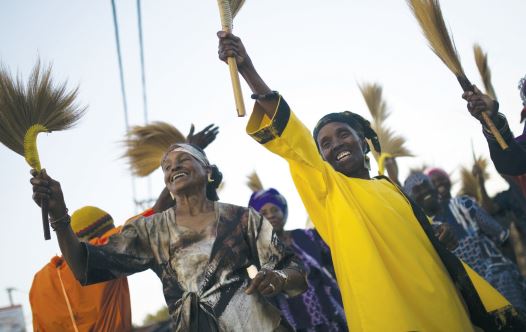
{"x": 226, "y": 22}
{"x": 467, "y": 86}
{"x": 45, "y": 219}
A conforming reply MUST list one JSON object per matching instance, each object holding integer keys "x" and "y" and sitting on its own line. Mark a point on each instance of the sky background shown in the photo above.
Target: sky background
{"x": 314, "y": 52}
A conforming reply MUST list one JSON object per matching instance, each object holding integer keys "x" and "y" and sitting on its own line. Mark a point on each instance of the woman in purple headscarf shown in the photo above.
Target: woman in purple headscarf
{"x": 320, "y": 307}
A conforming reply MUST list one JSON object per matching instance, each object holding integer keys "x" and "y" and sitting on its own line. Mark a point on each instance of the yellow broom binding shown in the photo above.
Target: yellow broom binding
{"x": 30, "y": 145}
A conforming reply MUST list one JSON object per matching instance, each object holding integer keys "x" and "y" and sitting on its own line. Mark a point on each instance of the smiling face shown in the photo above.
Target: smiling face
{"x": 343, "y": 149}
{"x": 183, "y": 173}
{"x": 427, "y": 197}
{"x": 274, "y": 215}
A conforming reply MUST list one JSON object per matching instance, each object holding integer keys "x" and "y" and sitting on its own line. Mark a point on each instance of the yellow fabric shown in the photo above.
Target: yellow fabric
{"x": 85, "y": 216}
{"x": 390, "y": 276}
{"x": 381, "y": 162}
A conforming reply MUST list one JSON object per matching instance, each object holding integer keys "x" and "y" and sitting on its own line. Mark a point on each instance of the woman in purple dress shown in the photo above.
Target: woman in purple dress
{"x": 320, "y": 307}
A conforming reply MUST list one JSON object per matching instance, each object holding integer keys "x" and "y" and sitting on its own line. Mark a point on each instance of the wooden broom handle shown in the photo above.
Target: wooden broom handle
{"x": 236, "y": 85}
{"x": 45, "y": 219}
{"x": 467, "y": 86}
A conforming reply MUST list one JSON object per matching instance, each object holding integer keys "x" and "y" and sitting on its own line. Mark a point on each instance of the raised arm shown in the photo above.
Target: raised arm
{"x": 232, "y": 46}
{"x": 511, "y": 161}
{"x": 45, "y": 187}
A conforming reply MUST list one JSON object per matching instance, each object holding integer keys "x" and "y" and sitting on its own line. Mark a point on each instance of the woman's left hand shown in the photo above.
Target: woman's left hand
{"x": 267, "y": 282}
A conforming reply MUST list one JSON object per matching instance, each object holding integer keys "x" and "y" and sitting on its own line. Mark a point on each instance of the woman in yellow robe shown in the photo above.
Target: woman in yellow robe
{"x": 392, "y": 272}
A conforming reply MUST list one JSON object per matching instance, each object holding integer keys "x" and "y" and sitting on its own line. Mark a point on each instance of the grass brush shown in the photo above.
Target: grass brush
{"x": 481, "y": 59}
{"x": 429, "y": 15}
{"x": 254, "y": 182}
{"x": 393, "y": 145}
{"x": 26, "y": 110}
{"x": 146, "y": 145}
{"x": 228, "y": 9}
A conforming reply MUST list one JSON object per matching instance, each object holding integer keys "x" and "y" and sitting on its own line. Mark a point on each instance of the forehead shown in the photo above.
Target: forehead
{"x": 331, "y": 128}
{"x": 174, "y": 155}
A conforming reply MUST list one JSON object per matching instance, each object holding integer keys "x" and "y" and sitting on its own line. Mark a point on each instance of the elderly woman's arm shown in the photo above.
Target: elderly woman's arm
{"x": 44, "y": 187}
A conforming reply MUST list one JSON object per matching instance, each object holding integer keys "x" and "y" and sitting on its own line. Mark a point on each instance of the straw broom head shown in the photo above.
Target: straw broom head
{"x": 146, "y": 145}
{"x": 391, "y": 143}
{"x": 29, "y": 109}
{"x": 254, "y": 182}
{"x": 481, "y": 58}
{"x": 228, "y": 9}
{"x": 429, "y": 16}
{"x": 468, "y": 183}
{"x": 372, "y": 93}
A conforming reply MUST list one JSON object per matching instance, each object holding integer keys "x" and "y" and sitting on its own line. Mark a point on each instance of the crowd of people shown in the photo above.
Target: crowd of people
{"x": 381, "y": 257}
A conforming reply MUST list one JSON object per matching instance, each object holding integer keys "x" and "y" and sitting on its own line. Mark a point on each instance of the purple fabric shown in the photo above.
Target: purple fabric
{"x": 271, "y": 195}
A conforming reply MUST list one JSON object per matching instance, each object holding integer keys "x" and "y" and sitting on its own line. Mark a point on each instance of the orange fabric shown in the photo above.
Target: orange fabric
{"x": 99, "y": 307}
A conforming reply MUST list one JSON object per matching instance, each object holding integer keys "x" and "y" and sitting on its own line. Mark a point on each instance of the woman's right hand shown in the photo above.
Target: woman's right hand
{"x": 44, "y": 187}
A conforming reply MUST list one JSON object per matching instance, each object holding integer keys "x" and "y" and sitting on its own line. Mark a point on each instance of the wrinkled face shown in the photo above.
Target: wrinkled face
{"x": 442, "y": 185}
{"x": 342, "y": 148}
{"x": 427, "y": 197}
{"x": 274, "y": 215}
{"x": 183, "y": 173}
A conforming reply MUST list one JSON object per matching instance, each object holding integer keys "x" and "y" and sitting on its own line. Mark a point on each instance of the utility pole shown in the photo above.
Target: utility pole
{"x": 9, "y": 291}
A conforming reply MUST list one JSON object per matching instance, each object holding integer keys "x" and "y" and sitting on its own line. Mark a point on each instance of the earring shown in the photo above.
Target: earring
{"x": 210, "y": 180}
{"x": 172, "y": 195}
{"x": 367, "y": 162}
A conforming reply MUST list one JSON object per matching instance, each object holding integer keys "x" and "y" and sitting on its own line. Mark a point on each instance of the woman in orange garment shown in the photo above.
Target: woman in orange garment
{"x": 60, "y": 303}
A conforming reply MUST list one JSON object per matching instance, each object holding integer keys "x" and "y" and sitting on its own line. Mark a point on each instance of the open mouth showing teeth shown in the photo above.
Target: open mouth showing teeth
{"x": 177, "y": 176}
{"x": 343, "y": 155}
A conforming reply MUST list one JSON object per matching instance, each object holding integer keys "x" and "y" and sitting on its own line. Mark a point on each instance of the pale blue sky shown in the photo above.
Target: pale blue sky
{"x": 314, "y": 52}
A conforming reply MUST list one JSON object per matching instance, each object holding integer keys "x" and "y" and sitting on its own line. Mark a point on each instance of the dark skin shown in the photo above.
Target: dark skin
{"x": 343, "y": 148}
{"x": 333, "y": 139}
{"x": 186, "y": 179}
{"x": 427, "y": 197}
{"x": 479, "y": 102}
{"x": 442, "y": 185}
{"x": 339, "y": 136}
{"x": 231, "y": 46}
{"x": 203, "y": 138}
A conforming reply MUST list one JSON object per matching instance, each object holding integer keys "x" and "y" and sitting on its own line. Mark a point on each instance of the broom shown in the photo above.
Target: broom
{"x": 26, "y": 111}
{"x": 429, "y": 16}
{"x": 228, "y": 9}
{"x": 481, "y": 60}
{"x": 392, "y": 144}
{"x": 146, "y": 145}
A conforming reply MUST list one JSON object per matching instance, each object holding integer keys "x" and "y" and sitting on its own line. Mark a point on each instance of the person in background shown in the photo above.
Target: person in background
{"x": 477, "y": 233}
{"x": 60, "y": 303}
{"x": 511, "y": 161}
{"x": 320, "y": 308}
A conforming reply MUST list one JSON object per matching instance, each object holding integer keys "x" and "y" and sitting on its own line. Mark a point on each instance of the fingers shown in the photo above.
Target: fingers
{"x": 256, "y": 281}
{"x": 192, "y": 129}
{"x": 227, "y": 35}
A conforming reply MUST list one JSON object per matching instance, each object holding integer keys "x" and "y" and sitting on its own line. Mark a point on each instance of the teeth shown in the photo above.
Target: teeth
{"x": 342, "y": 155}
{"x": 177, "y": 175}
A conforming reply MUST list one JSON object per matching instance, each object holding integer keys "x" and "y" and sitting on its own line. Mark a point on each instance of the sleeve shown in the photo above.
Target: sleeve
{"x": 286, "y": 136}
{"x": 125, "y": 253}
{"x": 485, "y": 222}
{"x": 267, "y": 250}
{"x": 511, "y": 161}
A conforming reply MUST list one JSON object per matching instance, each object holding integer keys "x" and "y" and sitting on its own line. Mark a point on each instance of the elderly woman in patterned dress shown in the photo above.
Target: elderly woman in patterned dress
{"x": 200, "y": 250}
